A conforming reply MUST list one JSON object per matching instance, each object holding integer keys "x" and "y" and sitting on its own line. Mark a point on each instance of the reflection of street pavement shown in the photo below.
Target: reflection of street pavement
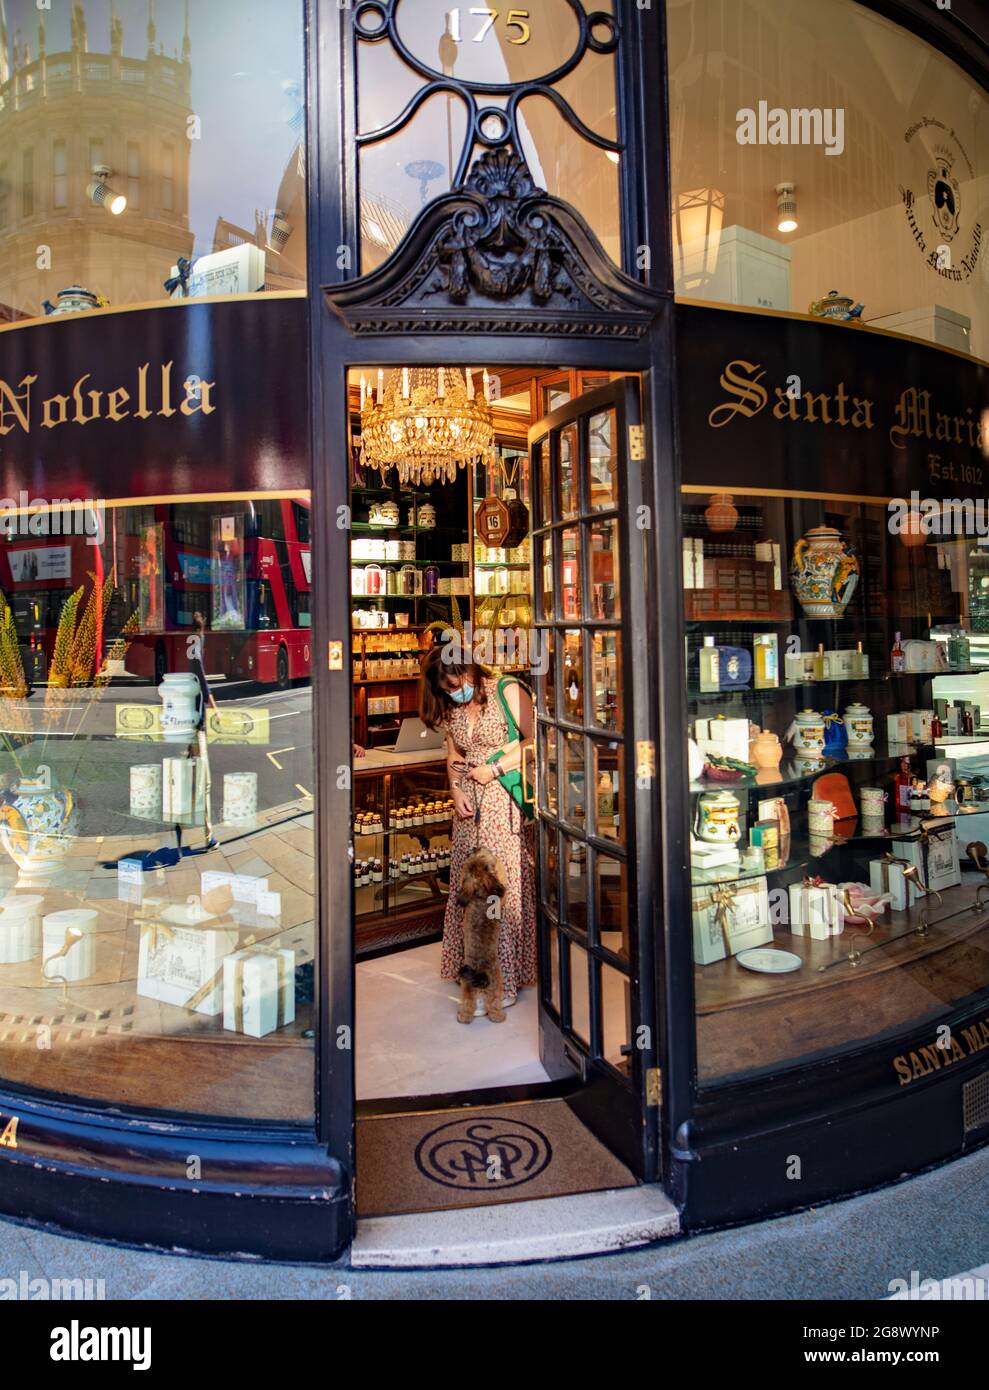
{"x": 87, "y": 755}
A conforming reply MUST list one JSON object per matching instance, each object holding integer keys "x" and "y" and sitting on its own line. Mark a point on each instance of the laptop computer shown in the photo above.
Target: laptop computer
{"x": 415, "y": 737}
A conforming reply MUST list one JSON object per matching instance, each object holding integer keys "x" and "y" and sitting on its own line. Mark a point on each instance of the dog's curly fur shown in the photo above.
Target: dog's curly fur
{"x": 482, "y": 886}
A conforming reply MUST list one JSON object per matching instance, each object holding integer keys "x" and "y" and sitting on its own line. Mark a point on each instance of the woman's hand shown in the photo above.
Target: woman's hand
{"x": 483, "y": 774}
{"x": 462, "y": 804}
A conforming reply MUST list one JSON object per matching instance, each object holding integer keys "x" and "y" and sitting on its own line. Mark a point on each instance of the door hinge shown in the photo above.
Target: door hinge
{"x": 636, "y": 443}
{"x": 334, "y": 657}
{"x": 645, "y": 761}
{"x": 654, "y": 1086}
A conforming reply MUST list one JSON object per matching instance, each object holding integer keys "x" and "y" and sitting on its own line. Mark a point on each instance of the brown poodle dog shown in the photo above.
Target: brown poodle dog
{"x": 482, "y": 886}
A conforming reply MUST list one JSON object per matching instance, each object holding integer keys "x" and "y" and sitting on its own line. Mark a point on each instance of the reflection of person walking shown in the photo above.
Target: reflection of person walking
{"x": 464, "y": 700}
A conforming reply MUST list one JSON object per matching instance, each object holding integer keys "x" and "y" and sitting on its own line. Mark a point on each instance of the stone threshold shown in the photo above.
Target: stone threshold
{"x": 553, "y": 1228}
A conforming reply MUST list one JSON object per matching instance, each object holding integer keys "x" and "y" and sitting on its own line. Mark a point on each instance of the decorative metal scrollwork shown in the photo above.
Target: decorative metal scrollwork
{"x": 376, "y": 21}
{"x": 496, "y": 253}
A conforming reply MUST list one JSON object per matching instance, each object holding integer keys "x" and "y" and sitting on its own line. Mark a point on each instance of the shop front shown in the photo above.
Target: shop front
{"x": 345, "y": 344}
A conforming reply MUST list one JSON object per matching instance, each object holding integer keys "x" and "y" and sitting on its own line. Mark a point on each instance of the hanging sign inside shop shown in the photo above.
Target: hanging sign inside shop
{"x": 874, "y": 414}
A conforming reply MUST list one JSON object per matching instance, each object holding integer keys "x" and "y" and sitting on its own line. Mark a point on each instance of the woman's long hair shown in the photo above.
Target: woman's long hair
{"x": 438, "y": 665}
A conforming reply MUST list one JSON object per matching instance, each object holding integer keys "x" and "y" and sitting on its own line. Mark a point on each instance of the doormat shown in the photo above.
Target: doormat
{"x": 470, "y": 1158}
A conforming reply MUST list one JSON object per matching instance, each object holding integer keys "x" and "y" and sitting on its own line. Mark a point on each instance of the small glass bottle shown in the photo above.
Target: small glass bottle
{"x": 897, "y": 660}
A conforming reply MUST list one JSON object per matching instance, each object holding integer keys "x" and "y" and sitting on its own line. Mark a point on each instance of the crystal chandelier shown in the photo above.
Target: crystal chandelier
{"x": 426, "y": 422}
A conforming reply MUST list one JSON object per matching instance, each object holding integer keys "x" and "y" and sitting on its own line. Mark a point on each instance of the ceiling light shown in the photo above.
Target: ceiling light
{"x": 281, "y": 230}
{"x": 786, "y": 207}
{"x": 102, "y": 194}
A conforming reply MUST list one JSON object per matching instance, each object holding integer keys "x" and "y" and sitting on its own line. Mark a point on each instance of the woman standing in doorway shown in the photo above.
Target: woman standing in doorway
{"x": 473, "y": 706}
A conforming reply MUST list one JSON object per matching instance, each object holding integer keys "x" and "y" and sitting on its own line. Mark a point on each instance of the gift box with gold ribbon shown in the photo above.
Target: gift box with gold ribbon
{"x": 730, "y": 917}
{"x": 897, "y": 877}
{"x": 258, "y": 990}
{"x": 181, "y": 958}
{"x": 814, "y": 909}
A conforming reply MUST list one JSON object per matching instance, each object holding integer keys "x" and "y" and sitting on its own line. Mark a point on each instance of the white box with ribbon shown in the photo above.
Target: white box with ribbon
{"x": 730, "y": 917}
{"x": 258, "y": 990}
{"x": 183, "y": 964}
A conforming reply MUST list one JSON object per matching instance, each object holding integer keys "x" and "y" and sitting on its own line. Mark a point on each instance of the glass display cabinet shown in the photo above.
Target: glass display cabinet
{"x": 402, "y": 832}
{"x": 832, "y": 832}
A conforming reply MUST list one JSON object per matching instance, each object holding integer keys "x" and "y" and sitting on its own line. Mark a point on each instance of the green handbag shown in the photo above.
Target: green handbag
{"x": 514, "y": 782}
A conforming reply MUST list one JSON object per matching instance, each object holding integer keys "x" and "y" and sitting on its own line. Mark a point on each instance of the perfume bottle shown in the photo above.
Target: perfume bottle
{"x": 708, "y": 665}
{"x": 820, "y": 664}
{"x": 767, "y": 661}
{"x": 902, "y": 786}
{"x": 861, "y": 661}
{"x": 897, "y": 659}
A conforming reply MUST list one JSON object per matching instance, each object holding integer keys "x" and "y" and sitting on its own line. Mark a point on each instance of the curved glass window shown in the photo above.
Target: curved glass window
{"x": 149, "y": 151}
{"x": 821, "y": 147}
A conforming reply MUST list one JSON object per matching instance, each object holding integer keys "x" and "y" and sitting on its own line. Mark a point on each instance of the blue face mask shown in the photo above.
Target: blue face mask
{"x": 462, "y": 696}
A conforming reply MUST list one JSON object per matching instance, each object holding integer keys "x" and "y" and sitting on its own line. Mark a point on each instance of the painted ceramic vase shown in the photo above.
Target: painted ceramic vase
{"x": 74, "y": 300}
{"x": 765, "y": 749}
{"x": 824, "y": 572}
{"x": 182, "y": 706}
{"x": 858, "y": 722}
{"x": 37, "y": 826}
{"x": 837, "y": 307}
{"x": 807, "y": 733}
{"x": 716, "y": 820}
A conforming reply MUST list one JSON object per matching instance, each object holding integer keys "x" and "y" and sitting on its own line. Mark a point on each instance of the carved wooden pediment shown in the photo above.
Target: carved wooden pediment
{"x": 497, "y": 256}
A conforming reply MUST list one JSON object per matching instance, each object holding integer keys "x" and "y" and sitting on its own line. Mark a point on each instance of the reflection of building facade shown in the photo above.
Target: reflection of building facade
{"x": 62, "y": 115}
{"x": 280, "y": 232}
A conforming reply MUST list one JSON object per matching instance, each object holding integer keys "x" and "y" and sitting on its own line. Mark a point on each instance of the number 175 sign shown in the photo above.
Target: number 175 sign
{"x": 481, "y": 22}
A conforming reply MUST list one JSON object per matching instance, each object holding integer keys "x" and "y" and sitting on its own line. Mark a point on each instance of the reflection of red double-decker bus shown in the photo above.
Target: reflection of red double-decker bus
{"x": 242, "y": 567}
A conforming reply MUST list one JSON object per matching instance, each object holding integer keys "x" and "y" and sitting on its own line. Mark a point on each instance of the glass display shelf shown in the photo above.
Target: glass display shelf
{"x": 790, "y": 775}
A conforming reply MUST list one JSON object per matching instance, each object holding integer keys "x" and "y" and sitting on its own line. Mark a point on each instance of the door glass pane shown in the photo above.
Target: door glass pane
{"x": 547, "y": 768}
{"x": 554, "y": 966}
{"x": 602, "y": 483}
{"x": 544, "y": 567}
{"x": 574, "y": 911}
{"x": 546, "y": 683}
{"x": 605, "y": 572}
{"x": 548, "y": 864}
{"x": 612, "y": 903}
{"x": 544, "y": 468}
{"x": 580, "y": 999}
{"x": 572, "y": 792}
{"x": 570, "y": 573}
{"x": 609, "y": 801}
{"x": 606, "y": 673}
{"x": 573, "y": 677}
{"x": 568, "y": 471}
{"x": 616, "y": 1018}
{"x": 554, "y": 397}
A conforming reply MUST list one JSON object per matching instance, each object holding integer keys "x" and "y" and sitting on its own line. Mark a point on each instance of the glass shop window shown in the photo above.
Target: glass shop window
{"x": 60, "y": 175}
{"x": 157, "y": 889}
{"x": 565, "y": 90}
{"x": 819, "y": 148}
{"x": 133, "y": 175}
{"x": 203, "y": 162}
{"x": 27, "y": 183}
{"x": 4, "y": 194}
{"x": 837, "y": 751}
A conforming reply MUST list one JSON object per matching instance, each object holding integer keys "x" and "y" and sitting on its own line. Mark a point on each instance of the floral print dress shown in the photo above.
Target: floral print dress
{"x": 507, "y": 834}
